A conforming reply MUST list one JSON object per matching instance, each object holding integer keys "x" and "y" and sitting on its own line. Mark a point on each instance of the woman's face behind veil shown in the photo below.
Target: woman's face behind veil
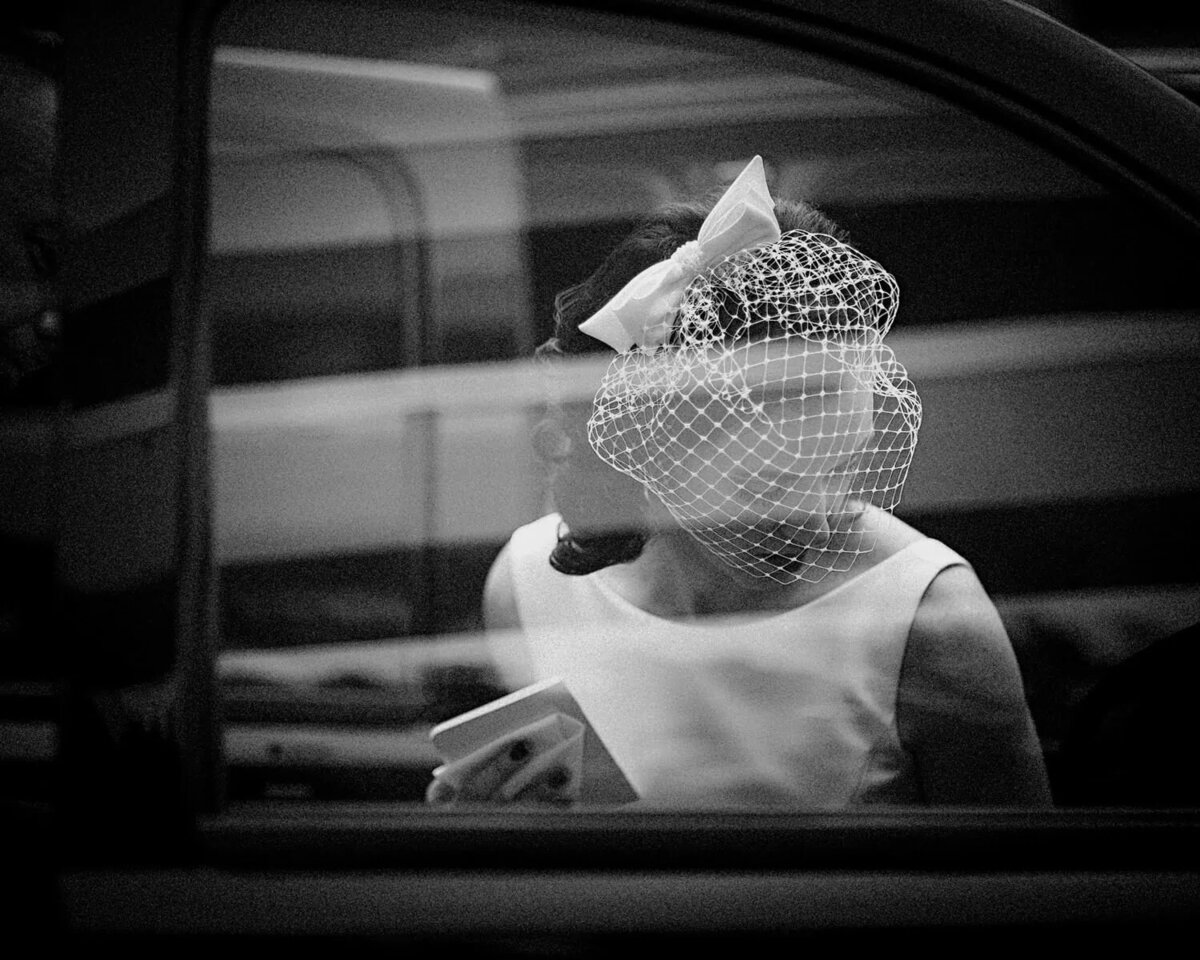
{"x": 758, "y": 456}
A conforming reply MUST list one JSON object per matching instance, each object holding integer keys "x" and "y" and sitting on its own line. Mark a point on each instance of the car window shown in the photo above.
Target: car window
{"x": 396, "y": 205}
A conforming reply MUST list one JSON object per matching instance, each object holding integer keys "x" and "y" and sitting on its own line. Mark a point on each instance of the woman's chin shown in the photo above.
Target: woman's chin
{"x": 766, "y": 570}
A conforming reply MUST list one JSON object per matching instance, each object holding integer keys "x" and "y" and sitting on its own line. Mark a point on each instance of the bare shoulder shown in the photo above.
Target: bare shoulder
{"x": 958, "y": 642}
{"x": 956, "y": 602}
{"x": 961, "y": 707}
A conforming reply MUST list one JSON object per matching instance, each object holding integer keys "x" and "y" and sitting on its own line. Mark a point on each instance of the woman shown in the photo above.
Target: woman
{"x": 727, "y": 593}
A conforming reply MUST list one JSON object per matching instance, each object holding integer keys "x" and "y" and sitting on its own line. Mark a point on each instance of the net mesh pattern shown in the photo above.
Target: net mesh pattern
{"x": 775, "y": 416}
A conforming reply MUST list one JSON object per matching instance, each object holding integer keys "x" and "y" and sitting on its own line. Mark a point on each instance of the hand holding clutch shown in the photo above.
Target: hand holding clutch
{"x": 541, "y": 762}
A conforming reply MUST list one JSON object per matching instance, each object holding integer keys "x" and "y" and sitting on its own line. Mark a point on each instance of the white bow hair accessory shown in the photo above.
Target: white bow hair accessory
{"x": 643, "y": 311}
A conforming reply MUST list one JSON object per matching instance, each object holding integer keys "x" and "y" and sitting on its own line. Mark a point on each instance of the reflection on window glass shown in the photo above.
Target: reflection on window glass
{"x": 736, "y": 579}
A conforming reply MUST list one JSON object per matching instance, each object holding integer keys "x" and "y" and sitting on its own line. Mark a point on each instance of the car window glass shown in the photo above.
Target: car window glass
{"x": 395, "y": 203}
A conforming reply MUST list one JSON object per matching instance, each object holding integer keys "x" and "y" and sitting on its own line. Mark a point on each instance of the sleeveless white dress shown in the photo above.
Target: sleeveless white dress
{"x": 796, "y": 709}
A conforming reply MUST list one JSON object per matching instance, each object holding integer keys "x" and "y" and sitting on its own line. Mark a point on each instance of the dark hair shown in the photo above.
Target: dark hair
{"x": 602, "y": 509}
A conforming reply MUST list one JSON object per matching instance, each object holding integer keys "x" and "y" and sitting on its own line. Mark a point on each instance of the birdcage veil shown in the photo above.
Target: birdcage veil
{"x": 773, "y": 416}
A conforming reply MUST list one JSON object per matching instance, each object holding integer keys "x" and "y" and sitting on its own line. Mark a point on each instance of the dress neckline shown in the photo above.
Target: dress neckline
{"x": 725, "y": 621}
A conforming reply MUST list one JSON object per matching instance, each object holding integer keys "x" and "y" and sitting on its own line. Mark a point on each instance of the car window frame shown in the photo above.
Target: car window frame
{"x": 988, "y": 842}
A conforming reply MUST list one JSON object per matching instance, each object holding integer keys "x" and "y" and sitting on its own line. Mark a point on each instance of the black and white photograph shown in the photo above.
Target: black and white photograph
{"x": 552, "y": 478}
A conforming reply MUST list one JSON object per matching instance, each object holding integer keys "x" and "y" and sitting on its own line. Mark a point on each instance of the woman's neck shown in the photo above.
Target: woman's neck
{"x": 677, "y": 578}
